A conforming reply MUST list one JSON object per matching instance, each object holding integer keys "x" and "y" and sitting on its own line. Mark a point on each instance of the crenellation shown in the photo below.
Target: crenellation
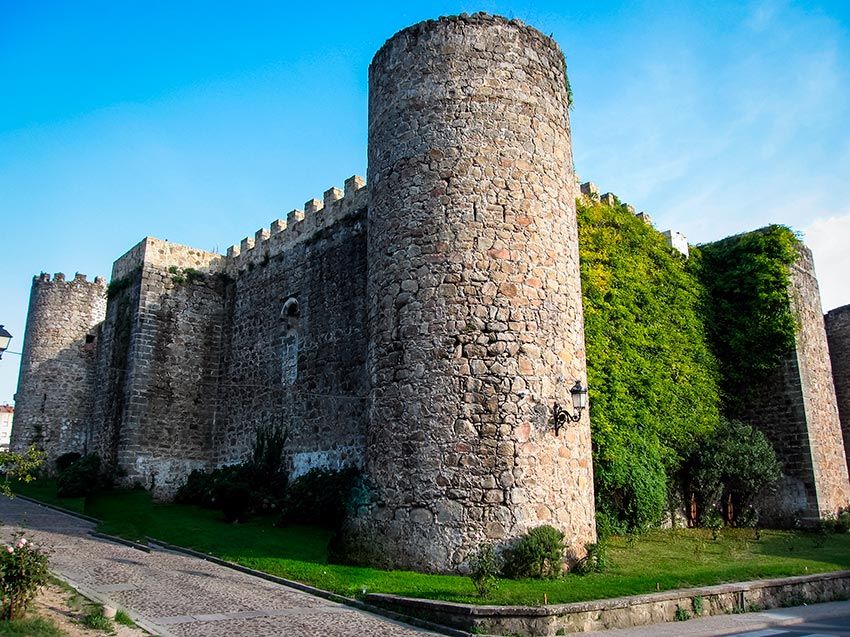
{"x": 609, "y": 199}
{"x": 246, "y": 244}
{"x": 353, "y": 184}
{"x": 590, "y": 190}
{"x": 312, "y": 207}
{"x": 261, "y": 235}
{"x": 278, "y": 226}
{"x": 332, "y": 195}
{"x": 233, "y": 251}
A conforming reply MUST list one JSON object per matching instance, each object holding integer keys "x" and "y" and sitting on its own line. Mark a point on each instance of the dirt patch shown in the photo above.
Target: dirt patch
{"x": 67, "y": 608}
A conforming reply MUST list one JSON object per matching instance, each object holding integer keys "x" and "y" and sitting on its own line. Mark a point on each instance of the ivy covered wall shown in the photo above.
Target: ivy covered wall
{"x": 673, "y": 345}
{"x": 653, "y": 379}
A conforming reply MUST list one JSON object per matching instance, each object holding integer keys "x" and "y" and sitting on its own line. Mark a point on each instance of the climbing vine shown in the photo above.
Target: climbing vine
{"x": 749, "y": 316}
{"x": 653, "y": 379}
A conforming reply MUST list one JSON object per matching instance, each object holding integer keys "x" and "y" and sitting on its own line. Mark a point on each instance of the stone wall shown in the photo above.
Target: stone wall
{"x": 56, "y": 383}
{"x": 295, "y": 357}
{"x": 798, "y": 413}
{"x": 475, "y": 298}
{"x": 838, "y": 336}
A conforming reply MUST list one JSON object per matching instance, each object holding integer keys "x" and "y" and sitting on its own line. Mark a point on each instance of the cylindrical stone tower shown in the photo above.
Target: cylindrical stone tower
{"x": 475, "y": 316}
{"x": 56, "y": 382}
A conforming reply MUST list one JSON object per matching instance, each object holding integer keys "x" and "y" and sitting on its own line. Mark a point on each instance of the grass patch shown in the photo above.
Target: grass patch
{"x": 124, "y": 619}
{"x": 30, "y": 627}
{"x": 658, "y": 560}
{"x": 96, "y": 620}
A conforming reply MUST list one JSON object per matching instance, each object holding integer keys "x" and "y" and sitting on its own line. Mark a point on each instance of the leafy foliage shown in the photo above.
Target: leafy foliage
{"x": 319, "y": 497}
{"x": 734, "y": 465}
{"x": 23, "y": 570}
{"x": 484, "y": 567}
{"x": 595, "y": 561}
{"x": 19, "y": 467}
{"x": 749, "y": 317}
{"x": 243, "y": 490}
{"x": 539, "y": 553}
{"x": 80, "y": 478}
{"x": 654, "y": 387}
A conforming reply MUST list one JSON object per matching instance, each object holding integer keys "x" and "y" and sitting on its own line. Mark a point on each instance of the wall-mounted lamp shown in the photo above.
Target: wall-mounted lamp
{"x": 561, "y": 417}
{"x": 5, "y": 337}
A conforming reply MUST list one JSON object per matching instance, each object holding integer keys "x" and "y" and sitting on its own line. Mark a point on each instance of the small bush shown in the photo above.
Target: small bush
{"x": 698, "y": 605}
{"x": 66, "y": 460}
{"x": 320, "y": 497}
{"x": 596, "y": 560}
{"x": 23, "y": 570}
{"x": 484, "y": 568}
{"x": 681, "y": 614}
{"x": 81, "y": 478}
{"x": 239, "y": 491}
{"x": 539, "y": 553}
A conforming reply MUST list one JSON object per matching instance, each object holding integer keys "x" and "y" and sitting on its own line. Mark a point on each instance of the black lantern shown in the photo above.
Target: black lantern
{"x": 561, "y": 417}
{"x": 5, "y": 337}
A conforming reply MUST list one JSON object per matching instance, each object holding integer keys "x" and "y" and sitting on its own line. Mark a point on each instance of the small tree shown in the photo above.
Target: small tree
{"x": 484, "y": 569}
{"x": 19, "y": 466}
{"x": 734, "y": 465}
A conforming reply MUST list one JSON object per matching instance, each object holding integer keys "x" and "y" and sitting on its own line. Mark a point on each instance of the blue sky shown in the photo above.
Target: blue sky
{"x": 200, "y": 122}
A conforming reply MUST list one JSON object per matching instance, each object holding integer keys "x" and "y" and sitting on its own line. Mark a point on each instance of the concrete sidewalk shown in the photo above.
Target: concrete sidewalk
{"x": 821, "y": 620}
{"x": 175, "y": 595}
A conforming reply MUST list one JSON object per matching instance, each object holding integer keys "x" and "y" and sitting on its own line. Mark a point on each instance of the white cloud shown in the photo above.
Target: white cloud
{"x": 829, "y": 240}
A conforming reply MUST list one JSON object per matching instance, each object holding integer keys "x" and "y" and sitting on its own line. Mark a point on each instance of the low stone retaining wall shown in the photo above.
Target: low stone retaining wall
{"x": 624, "y": 612}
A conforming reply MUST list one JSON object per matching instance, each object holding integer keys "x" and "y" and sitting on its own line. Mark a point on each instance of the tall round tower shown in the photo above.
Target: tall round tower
{"x": 475, "y": 295}
{"x": 56, "y": 383}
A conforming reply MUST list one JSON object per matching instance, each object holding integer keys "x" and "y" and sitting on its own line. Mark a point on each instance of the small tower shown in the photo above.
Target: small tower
{"x": 56, "y": 383}
{"x": 475, "y": 314}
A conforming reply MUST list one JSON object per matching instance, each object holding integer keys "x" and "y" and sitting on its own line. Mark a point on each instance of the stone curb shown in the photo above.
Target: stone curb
{"x": 120, "y": 540}
{"x": 318, "y": 592}
{"x": 476, "y": 610}
{"x": 55, "y": 507}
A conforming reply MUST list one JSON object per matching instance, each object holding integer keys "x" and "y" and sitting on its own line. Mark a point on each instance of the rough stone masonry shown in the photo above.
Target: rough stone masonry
{"x": 421, "y": 328}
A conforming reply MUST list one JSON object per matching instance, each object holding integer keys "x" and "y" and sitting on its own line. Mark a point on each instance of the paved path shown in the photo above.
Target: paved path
{"x": 180, "y": 596}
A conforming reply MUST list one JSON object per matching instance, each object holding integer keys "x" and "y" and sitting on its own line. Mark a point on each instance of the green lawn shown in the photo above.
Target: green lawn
{"x": 662, "y": 559}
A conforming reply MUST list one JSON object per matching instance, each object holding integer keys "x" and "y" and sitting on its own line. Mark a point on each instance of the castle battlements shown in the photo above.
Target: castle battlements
{"x": 59, "y": 277}
{"x": 299, "y": 225}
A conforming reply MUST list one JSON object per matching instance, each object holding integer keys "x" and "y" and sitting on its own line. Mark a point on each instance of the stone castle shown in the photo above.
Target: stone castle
{"x": 421, "y": 327}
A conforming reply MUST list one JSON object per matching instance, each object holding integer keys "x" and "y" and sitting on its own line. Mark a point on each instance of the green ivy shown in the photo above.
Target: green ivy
{"x": 749, "y": 318}
{"x": 654, "y": 386}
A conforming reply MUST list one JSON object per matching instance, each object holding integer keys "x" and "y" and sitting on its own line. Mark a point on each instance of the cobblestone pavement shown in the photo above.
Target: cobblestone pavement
{"x": 180, "y": 596}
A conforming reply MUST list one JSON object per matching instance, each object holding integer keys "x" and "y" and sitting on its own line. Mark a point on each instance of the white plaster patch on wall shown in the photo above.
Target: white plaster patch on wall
{"x": 164, "y": 475}
{"x": 328, "y": 459}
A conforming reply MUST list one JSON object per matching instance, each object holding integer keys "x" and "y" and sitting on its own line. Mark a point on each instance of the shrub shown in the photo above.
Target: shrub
{"x": 23, "y": 570}
{"x": 320, "y": 497}
{"x": 484, "y": 568}
{"x": 239, "y": 491}
{"x": 732, "y": 467}
{"x": 19, "y": 466}
{"x": 81, "y": 478}
{"x": 595, "y": 561}
{"x": 66, "y": 460}
{"x": 539, "y": 553}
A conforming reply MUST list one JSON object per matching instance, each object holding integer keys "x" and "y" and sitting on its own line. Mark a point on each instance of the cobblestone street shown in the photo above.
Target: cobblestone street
{"x": 176, "y": 595}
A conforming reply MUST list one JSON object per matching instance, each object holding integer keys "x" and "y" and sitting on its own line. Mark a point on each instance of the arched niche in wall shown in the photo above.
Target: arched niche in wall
{"x": 290, "y": 317}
